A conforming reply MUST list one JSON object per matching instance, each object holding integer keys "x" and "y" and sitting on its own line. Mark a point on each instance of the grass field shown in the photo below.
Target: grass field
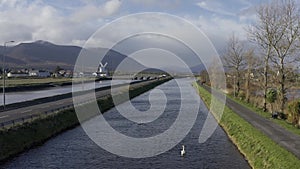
{"x": 19, "y": 82}
{"x": 260, "y": 151}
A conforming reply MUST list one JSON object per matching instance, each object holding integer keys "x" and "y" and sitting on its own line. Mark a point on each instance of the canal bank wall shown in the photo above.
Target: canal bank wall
{"x": 20, "y": 138}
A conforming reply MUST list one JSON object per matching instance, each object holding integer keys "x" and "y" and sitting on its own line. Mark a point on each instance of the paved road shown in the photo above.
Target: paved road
{"x": 286, "y": 139}
{"x": 23, "y": 98}
{"x": 35, "y": 109}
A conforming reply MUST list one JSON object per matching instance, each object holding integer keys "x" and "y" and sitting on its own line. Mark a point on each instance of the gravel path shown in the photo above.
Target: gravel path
{"x": 280, "y": 135}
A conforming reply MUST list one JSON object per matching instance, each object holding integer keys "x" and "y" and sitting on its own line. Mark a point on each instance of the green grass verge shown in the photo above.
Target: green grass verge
{"x": 13, "y": 82}
{"x": 260, "y": 151}
{"x": 22, "y": 137}
{"x": 267, "y": 115}
{"x": 31, "y": 81}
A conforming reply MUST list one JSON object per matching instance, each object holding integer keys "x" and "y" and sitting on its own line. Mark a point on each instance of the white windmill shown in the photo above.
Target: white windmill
{"x": 101, "y": 67}
{"x": 102, "y": 72}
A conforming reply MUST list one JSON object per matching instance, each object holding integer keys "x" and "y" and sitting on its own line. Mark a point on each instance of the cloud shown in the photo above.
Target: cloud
{"x": 214, "y": 7}
{"x": 111, "y": 7}
{"x": 94, "y": 12}
{"x": 15, "y": 29}
{"x": 22, "y": 21}
{"x": 168, "y": 32}
{"x": 158, "y": 3}
{"x": 219, "y": 29}
{"x": 66, "y": 22}
{"x": 230, "y": 7}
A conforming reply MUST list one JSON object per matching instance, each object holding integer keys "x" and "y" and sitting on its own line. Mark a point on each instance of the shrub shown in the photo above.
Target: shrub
{"x": 271, "y": 95}
{"x": 256, "y": 101}
{"x": 229, "y": 86}
{"x": 230, "y": 92}
{"x": 282, "y": 116}
{"x": 242, "y": 95}
{"x": 294, "y": 111}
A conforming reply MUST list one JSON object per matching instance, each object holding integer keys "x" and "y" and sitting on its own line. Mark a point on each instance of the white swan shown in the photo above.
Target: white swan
{"x": 182, "y": 151}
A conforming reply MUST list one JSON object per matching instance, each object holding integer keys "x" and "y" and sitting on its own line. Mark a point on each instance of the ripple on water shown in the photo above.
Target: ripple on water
{"x": 73, "y": 148}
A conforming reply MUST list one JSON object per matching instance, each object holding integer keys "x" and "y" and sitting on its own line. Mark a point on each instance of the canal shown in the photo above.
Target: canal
{"x": 74, "y": 149}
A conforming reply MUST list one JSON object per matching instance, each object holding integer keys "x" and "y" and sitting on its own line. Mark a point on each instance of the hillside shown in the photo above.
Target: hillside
{"x": 46, "y": 55}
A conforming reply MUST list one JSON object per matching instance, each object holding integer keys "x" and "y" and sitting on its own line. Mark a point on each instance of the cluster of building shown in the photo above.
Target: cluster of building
{"x": 38, "y": 73}
{"x": 101, "y": 72}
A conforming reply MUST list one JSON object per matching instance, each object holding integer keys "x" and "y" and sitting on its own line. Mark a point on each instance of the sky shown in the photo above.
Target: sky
{"x": 73, "y": 22}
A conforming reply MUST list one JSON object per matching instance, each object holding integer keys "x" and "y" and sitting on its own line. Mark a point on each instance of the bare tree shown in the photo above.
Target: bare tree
{"x": 215, "y": 75}
{"x": 204, "y": 77}
{"x": 252, "y": 63}
{"x": 263, "y": 34}
{"x": 277, "y": 33}
{"x": 288, "y": 43}
{"x": 234, "y": 59}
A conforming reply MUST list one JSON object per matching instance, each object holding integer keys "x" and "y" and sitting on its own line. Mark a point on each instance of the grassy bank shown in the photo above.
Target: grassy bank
{"x": 260, "y": 150}
{"x": 20, "y": 138}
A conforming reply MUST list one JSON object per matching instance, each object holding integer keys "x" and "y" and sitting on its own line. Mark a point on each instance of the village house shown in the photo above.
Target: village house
{"x": 39, "y": 73}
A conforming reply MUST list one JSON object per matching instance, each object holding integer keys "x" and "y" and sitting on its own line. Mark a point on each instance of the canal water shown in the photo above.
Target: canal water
{"x": 74, "y": 149}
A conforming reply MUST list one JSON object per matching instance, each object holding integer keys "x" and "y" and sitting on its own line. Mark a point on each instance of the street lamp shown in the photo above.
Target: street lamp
{"x": 3, "y": 71}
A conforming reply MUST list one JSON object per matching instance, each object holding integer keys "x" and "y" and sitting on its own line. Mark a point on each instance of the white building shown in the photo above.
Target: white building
{"x": 15, "y": 74}
{"x": 39, "y": 73}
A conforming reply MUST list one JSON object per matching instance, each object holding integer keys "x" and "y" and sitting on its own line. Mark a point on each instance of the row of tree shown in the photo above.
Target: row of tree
{"x": 276, "y": 39}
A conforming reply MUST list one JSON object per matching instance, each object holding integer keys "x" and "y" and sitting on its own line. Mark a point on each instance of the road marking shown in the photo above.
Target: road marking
{"x": 26, "y": 111}
{"x": 3, "y": 116}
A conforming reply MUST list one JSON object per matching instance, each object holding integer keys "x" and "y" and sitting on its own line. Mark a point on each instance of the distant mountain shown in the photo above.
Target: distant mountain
{"x": 41, "y": 54}
{"x": 177, "y": 69}
{"x": 114, "y": 59}
{"x": 46, "y": 55}
{"x": 198, "y": 68}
